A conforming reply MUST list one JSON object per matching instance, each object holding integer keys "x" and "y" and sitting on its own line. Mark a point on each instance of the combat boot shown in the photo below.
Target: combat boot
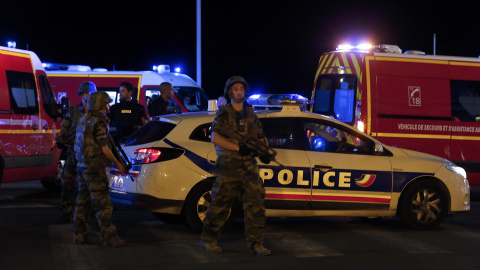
{"x": 259, "y": 250}
{"x": 115, "y": 241}
{"x": 211, "y": 247}
{"x": 79, "y": 239}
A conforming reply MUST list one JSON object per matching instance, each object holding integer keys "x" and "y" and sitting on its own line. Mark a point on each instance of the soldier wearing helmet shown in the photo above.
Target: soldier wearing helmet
{"x": 92, "y": 151}
{"x": 237, "y": 171}
{"x": 66, "y": 140}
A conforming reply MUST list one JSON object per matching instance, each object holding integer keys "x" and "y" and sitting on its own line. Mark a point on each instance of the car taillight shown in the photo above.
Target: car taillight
{"x": 147, "y": 155}
{"x": 155, "y": 154}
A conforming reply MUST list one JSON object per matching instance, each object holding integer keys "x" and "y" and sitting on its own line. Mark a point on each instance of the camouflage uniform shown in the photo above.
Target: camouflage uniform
{"x": 92, "y": 180}
{"x": 236, "y": 175}
{"x": 69, "y": 176}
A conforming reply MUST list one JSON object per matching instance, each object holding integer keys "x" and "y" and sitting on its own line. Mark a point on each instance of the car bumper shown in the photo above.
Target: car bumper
{"x": 145, "y": 202}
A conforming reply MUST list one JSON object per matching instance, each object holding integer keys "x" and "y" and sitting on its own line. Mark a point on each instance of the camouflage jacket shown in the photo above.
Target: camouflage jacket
{"x": 69, "y": 124}
{"x": 245, "y": 123}
{"x": 91, "y": 136}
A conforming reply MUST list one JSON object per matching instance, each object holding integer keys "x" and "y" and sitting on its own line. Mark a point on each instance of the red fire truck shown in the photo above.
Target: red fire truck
{"x": 422, "y": 102}
{"x": 28, "y": 119}
{"x": 65, "y": 80}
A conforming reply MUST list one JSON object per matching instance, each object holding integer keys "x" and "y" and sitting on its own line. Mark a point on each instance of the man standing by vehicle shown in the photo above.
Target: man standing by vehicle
{"x": 237, "y": 171}
{"x": 92, "y": 151}
{"x": 127, "y": 115}
{"x": 66, "y": 139}
{"x": 162, "y": 105}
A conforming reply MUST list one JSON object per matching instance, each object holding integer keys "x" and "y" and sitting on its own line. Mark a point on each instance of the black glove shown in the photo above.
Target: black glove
{"x": 244, "y": 150}
{"x": 61, "y": 145}
{"x": 265, "y": 158}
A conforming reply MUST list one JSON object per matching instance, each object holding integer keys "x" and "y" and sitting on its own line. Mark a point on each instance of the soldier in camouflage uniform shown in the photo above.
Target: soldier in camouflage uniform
{"x": 92, "y": 151}
{"x": 237, "y": 171}
{"x": 66, "y": 138}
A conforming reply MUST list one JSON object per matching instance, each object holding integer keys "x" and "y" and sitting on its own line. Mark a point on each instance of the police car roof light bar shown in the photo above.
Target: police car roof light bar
{"x": 276, "y": 100}
{"x": 385, "y": 48}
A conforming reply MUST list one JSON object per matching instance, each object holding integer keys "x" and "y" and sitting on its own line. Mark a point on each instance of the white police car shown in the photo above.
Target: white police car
{"x": 329, "y": 169}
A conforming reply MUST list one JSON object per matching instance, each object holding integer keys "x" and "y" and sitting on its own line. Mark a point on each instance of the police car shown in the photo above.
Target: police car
{"x": 323, "y": 168}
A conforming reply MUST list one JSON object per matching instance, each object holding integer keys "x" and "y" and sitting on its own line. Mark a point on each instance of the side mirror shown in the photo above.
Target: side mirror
{"x": 64, "y": 105}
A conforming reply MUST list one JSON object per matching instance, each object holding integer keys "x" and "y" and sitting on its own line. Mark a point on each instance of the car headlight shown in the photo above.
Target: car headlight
{"x": 457, "y": 170}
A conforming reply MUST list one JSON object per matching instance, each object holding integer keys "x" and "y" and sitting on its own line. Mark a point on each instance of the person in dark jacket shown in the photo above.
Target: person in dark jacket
{"x": 127, "y": 115}
{"x": 162, "y": 105}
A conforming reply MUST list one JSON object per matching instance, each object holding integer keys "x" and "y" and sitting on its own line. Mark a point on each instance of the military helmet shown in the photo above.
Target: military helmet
{"x": 87, "y": 87}
{"x": 233, "y": 80}
{"x": 98, "y": 100}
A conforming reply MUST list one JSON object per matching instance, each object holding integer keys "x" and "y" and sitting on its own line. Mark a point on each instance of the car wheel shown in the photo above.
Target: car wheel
{"x": 197, "y": 203}
{"x": 424, "y": 205}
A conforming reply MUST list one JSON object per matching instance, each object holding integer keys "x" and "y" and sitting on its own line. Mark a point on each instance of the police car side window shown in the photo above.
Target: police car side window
{"x": 279, "y": 132}
{"x": 328, "y": 137}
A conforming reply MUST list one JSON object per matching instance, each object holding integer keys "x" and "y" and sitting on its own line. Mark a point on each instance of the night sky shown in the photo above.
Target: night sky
{"x": 275, "y": 45}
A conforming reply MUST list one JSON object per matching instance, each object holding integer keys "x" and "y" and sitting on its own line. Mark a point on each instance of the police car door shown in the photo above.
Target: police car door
{"x": 288, "y": 186}
{"x": 346, "y": 175}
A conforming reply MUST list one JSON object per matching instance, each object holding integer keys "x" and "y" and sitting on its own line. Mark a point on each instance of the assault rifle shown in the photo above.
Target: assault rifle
{"x": 260, "y": 147}
{"x": 120, "y": 155}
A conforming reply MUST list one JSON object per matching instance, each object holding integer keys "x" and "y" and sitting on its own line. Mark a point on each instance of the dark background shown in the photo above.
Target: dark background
{"x": 275, "y": 45}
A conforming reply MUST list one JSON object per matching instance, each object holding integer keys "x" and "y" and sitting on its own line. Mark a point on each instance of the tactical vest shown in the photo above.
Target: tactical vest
{"x": 86, "y": 148}
{"x": 250, "y": 130}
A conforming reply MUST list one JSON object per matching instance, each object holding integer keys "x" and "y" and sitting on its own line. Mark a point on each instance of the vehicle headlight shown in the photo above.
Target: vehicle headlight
{"x": 457, "y": 170}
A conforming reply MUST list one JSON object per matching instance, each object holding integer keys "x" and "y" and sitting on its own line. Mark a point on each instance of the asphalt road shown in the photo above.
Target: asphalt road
{"x": 28, "y": 240}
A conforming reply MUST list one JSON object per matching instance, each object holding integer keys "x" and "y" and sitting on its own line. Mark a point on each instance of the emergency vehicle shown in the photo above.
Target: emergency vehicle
{"x": 424, "y": 102}
{"x": 323, "y": 167}
{"x": 65, "y": 80}
{"x": 28, "y": 119}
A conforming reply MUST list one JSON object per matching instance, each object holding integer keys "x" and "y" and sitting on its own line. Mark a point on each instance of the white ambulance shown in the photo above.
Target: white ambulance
{"x": 328, "y": 168}
{"x": 187, "y": 94}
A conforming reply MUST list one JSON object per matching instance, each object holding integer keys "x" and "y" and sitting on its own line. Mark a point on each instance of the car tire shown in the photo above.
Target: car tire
{"x": 197, "y": 203}
{"x": 423, "y": 205}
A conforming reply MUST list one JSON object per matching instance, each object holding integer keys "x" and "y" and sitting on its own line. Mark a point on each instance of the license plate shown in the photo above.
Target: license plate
{"x": 117, "y": 182}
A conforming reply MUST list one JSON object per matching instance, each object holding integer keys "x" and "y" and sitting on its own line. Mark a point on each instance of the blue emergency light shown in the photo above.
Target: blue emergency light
{"x": 162, "y": 68}
{"x": 12, "y": 44}
{"x": 276, "y": 100}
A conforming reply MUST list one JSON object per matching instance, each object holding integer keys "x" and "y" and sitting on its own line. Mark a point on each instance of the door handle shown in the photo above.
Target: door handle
{"x": 323, "y": 168}
{"x": 34, "y": 127}
{"x": 45, "y": 127}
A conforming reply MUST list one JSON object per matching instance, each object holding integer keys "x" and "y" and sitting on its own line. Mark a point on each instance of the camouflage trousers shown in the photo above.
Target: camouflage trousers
{"x": 69, "y": 183}
{"x": 234, "y": 180}
{"x": 93, "y": 187}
